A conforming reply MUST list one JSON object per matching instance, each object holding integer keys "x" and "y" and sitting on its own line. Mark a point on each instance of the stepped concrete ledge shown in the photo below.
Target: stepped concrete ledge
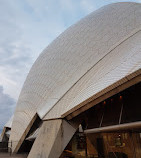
{"x": 7, "y": 155}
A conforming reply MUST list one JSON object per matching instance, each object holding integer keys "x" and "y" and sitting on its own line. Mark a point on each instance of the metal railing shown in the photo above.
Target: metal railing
{"x": 6, "y": 147}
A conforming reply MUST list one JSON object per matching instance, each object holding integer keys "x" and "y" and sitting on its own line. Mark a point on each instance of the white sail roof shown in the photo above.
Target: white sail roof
{"x": 96, "y": 52}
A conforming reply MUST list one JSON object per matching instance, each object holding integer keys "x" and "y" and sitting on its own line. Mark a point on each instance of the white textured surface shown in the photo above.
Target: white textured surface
{"x": 8, "y": 133}
{"x": 78, "y": 64}
{"x": 34, "y": 135}
{"x": 9, "y": 123}
{"x": 0, "y": 138}
{"x": 122, "y": 61}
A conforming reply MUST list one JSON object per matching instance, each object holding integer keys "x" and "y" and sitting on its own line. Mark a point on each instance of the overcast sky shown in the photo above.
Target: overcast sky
{"x": 26, "y": 28}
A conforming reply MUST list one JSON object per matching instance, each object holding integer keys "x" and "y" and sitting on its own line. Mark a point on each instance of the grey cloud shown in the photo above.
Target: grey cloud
{"x": 12, "y": 55}
{"x": 7, "y": 105}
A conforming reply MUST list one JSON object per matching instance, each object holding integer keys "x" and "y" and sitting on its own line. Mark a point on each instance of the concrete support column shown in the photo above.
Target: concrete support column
{"x": 53, "y": 137}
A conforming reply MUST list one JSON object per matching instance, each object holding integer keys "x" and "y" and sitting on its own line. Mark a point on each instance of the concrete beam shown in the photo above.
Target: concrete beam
{"x": 52, "y": 139}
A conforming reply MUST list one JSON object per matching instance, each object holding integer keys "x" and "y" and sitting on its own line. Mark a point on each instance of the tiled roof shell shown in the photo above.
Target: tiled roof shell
{"x": 88, "y": 57}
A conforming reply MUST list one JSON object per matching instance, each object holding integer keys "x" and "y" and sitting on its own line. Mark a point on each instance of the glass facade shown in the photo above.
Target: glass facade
{"x": 104, "y": 145}
{"x": 119, "y": 110}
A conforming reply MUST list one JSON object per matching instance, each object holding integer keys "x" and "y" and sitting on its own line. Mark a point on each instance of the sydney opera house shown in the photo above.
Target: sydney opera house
{"x": 82, "y": 96}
